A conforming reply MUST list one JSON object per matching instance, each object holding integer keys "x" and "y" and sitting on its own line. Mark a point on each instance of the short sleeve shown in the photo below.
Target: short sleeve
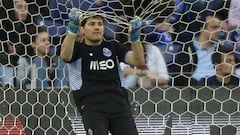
{"x": 77, "y": 51}
{"x": 122, "y": 51}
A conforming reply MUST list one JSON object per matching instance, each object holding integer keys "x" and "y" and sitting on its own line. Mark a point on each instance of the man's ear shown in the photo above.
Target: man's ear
{"x": 82, "y": 29}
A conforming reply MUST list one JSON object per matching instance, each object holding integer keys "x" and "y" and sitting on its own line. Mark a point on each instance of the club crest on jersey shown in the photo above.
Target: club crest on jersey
{"x": 107, "y": 52}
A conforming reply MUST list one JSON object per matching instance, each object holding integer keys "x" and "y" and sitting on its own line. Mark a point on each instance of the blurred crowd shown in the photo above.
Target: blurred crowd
{"x": 186, "y": 42}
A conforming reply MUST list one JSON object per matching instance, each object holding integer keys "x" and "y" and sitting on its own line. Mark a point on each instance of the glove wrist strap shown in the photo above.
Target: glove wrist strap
{"x": 135, "y": 41}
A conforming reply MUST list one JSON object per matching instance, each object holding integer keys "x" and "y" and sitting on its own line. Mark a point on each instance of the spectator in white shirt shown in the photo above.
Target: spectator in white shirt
{"x": 153, "y": 73}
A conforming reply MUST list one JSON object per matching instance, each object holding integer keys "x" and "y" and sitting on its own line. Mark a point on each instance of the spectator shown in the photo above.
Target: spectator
{"x": 230, "y": 36}
{"x": 14, "y": 33}
{"x": 24, "y": 68}
{"x": 194, "y": 62}
{"x": 190, "y": 10}
{"x": 163, "y": 38}
{"x": 153, "y": 74}
{"x": 50, "y": 71}
{"x": 234, "y": 14}
{"x": 224, "y": 61}
{"x": 41, "y": 69}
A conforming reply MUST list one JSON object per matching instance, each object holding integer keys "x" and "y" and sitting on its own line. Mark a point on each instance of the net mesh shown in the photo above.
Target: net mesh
{"x": 45, "y": 105}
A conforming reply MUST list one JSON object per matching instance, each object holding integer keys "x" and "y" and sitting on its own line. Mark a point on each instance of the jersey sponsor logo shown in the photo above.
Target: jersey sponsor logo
{"x": 102, "y": 65}
{"x": 107, "y": 52}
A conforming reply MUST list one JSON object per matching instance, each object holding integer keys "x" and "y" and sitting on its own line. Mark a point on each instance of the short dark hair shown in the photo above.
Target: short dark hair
{"x": 40, "y": 29}
{"x": 217, "y": 56}
{"x": 203, "y": 17}
{"x": 95, "y": 16}
{"x": 201, "y": 20}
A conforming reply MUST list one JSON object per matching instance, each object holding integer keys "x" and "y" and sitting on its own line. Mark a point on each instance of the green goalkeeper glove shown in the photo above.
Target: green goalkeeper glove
{"x": 135, "y": 25}
{"x": 75, "y": 17}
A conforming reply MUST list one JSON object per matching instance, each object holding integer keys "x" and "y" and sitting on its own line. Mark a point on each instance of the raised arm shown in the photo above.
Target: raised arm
{"x": 136, "y": 56}
{"x": 67, "y": 47}
{"x": 68, "y": 43}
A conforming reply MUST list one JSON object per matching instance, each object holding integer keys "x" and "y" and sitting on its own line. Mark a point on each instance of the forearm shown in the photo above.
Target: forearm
{"x": 156, "y": 80}
{"x": 162, "y": 81}
{"x": 128, "y": 71}
{"x": 67, "y": 47}
{"x": 136, "y": 71}
{"x": 137, "y": 53}
{"x": 136, "y": 57}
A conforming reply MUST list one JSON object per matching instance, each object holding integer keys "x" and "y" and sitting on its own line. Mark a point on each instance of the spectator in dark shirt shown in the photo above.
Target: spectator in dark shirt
{"x": 194, "y": 61}
{"x": 224, "y": 61}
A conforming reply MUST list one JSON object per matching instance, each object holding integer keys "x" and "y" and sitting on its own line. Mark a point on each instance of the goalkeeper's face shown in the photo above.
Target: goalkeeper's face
{"x": 94, "y": 30}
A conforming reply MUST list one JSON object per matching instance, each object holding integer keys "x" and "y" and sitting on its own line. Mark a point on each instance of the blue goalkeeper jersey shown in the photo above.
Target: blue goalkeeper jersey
{"x": 95, "y": 69}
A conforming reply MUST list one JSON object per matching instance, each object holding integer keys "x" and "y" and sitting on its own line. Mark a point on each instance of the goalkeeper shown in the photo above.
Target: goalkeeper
{"x": 95, "y": 77}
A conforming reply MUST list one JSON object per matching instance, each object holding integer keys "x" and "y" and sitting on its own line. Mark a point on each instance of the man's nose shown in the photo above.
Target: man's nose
{"x": 97, "y": 26}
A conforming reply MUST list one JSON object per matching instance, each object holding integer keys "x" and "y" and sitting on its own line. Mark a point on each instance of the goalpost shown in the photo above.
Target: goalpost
{"x": 168, "y": 110}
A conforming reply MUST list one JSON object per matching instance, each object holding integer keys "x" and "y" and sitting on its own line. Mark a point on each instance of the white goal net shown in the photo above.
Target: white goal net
{"x": 181, "y": 98}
